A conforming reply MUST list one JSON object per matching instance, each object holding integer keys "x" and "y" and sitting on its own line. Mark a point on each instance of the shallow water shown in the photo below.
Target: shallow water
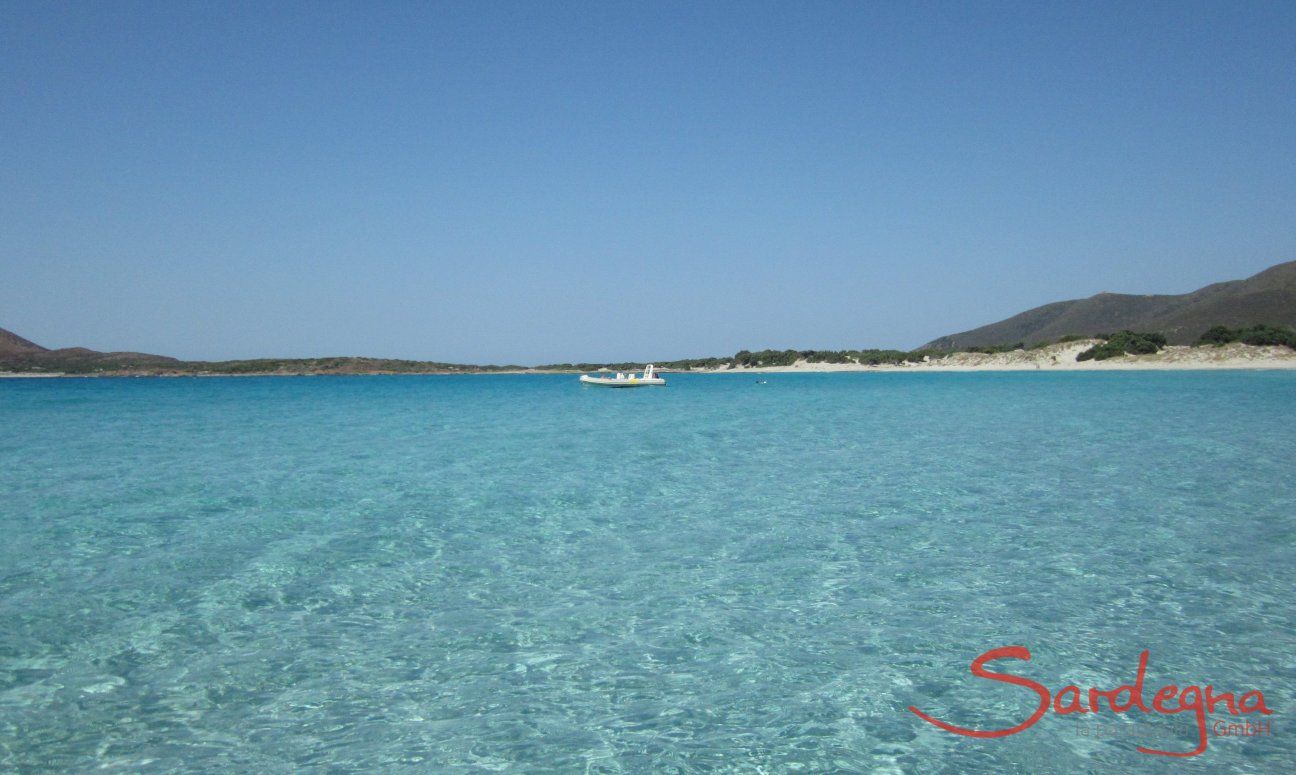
{"x": 516, "y": 572}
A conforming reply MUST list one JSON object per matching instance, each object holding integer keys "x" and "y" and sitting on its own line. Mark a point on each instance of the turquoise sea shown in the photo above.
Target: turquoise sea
{"x": 517, "y": 573}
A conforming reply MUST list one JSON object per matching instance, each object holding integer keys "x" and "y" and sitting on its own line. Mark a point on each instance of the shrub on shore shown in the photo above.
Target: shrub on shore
{"x": 991, "y": 349}
{"x": 871, "y": 357}
{"x": 880, "y": 357}
{"x": 1259, "y": 335}
{"x": 766, "y": 358}
{"x": 1124, "y": 343}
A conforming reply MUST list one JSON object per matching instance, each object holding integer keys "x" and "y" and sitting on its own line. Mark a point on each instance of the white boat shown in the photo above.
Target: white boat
{"x": 623, "y": 379}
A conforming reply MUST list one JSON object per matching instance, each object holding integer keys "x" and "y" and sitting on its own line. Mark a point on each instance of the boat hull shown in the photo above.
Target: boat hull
{"x": 622, "y": 383}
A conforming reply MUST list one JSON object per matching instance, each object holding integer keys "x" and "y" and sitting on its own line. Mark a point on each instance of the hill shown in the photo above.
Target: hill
{"x": 1268, "y": 297}
{"x": 79, "y": 360}
{"x": 11, "y": 344}
{"x": 20, "y": 355}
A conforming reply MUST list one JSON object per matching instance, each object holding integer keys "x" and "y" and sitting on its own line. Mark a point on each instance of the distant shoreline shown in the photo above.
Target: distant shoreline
{"x": 1055, "y": 357}
{"x": 210, "y": 374}
{"x": 1062, "y": 357}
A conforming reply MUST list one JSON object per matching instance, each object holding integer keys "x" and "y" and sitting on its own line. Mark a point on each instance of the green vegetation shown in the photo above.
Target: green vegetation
{"x": 765, "y": 358}
{"x": 871, "y": 357}
{"x": 1040, "y": 345}
{"x": 1123, "y": 343}
{"x": 880, "y": 357}
{"x": 1259, "y": 335}
{"x": 623, "y": 366}
{"x": 995, "y": 348}
{"x": 693, "y": 363}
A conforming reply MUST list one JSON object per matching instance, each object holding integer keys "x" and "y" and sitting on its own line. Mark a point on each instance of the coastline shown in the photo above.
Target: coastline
{"x": 1055, "y": 357}
{"x": 1062, "y": 357}
{"x": 210, "y": 374}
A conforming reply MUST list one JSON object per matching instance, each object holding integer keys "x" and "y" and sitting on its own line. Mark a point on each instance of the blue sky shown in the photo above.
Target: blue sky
{"x": 535, "y": 182}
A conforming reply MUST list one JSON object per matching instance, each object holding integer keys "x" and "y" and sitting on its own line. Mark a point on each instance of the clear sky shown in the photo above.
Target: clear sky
{"x": 535, "y": 182}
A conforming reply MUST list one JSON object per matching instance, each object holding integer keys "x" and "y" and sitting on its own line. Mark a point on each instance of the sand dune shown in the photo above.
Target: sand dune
{"x": 1062, "y": 357}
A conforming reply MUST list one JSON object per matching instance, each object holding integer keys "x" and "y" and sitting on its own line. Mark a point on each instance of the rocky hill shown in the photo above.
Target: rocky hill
{"x": 13, "y": 345}
{"x": 1268, "y": 297}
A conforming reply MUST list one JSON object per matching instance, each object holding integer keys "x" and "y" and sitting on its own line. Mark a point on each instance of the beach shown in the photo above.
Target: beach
{"x": 1062, "y": 357}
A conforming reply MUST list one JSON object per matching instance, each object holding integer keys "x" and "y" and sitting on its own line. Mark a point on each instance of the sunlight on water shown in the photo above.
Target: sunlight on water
{"x": 496, "y": 572}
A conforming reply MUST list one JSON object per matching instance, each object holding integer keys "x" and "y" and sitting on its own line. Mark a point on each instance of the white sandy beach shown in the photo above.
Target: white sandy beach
{"x": 1062, "y": 357}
